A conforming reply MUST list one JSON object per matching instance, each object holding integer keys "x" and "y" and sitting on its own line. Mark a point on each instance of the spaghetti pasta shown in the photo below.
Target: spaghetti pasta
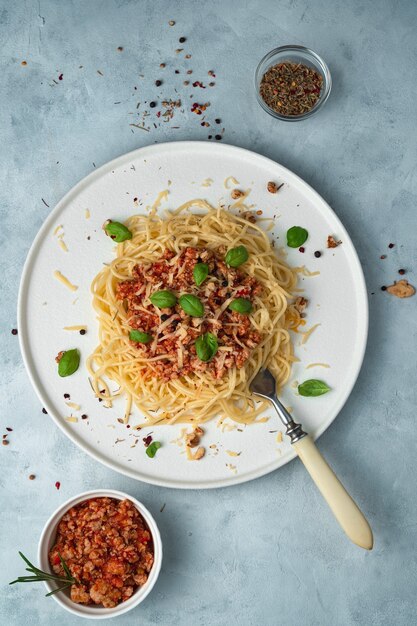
{"x": 196, "y": 396}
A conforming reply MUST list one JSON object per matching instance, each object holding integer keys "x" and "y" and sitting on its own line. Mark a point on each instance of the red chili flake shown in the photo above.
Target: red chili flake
{"x": 383, "y": 256}
{"x": 9, "y": 429}
{"x": 211, "y": 73}
{"x": 57, "y": 484}
{"x": 197, "y": 83}
{"x": 144, "y": 539}
{"x": 60, "y": 77}
{"x": 14, "y": 331}
{"x": 147, "y": 440}
{"x": 302, "y": 249}
{"x": 158, "y": 114}
{"x": 391, "y": 245}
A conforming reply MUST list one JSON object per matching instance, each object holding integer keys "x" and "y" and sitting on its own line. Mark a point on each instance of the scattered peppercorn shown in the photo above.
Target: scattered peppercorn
{"x": 84, "y": 416}
{"x": 5, "y": 442}
{"x": 158, "y": 83}
{"x": 14, "y": 331}
{"x": 302, "y": 249}
{"x": 391, "y": 245}
{"x": 177, "y": 71}
{"x": 67, "y": 396}
{"x": 32, "y": 477}
{"x": 186, "y": 82}
{"x": 383, "y": 288}
{"x": 218, "y": 137}
{"x": 211, "y": 84}
{"x": 189, "y": 71}
{"x": 23, "y": 63}
{"x": 60, "y": 77}
{"x": 10, "y": 430}
{"x": 44, "y": 411}
{"x": 82, "y": 331}
{"x": 162, "y": 65}
{"x": 317, "y": 254}
{"x": 402, "y": 272}
{"x": 210, "y": 137}
{"x": 152, "y": 104}
{"x": 182, "y": 39}
{"x": 218, "y": 120}
{"x": 383, "y": 256}
{"x": 120, "y": 49}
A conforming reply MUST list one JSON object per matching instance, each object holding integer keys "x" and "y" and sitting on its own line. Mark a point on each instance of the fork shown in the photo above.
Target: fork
{"x": 343, "y": 507}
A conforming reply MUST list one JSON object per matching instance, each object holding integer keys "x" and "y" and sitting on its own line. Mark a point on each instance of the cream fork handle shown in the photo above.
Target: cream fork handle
{"x": 345, "y": 510}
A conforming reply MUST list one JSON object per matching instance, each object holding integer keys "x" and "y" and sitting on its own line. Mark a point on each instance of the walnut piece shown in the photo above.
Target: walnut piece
{"x": 332, "y": 242}
{"x": 199, "y": 454}
{"x": 402, "y": 289}
{"x": 300, "y": 304}
{"x": 273, "y": 187}
{"x": 193, "y": 439}
{"x": 237, "y": 193}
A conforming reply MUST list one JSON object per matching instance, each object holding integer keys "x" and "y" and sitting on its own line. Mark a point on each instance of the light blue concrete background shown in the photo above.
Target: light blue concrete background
{"x": 267, "y": 552}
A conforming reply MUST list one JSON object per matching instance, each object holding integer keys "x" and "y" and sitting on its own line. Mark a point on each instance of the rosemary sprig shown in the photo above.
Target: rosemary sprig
{"x": 40, "y": 576}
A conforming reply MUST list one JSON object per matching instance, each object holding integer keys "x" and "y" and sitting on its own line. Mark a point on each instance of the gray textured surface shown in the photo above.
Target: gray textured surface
{"x": 267, "y": 552}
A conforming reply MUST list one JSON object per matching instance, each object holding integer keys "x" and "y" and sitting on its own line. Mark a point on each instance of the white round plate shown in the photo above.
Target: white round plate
{"x": 337, "y": 301}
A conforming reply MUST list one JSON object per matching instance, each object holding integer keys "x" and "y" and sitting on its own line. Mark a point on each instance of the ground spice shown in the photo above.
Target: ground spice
{"x": 291, "y": 88}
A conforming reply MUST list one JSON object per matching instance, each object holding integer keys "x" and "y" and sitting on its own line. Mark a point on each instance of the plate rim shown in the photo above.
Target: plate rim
{"x": 23, "y": 334}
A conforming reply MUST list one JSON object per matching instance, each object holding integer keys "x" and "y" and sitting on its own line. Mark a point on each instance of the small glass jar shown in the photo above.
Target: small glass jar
{"x": 294, "y": 54}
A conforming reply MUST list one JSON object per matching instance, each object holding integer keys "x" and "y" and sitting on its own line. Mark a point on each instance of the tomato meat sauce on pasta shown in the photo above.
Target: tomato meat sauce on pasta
{"x": 149, "y": 343}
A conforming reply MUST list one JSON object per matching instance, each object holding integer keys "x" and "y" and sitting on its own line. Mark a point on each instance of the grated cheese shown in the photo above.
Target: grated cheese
{"x": 231, "y": 453}
{"x": 306, "y": 335}
{"x": 231, "y": 179}
{"x": 87, "y": 214}
{"x": 207, "y": 182}
{"x": 80, "y": 327}
{"x": 64, "y": 281}
{"x": 317, "y": 365}
{"x": 279, "y": 437}
{"x": 73, "y": 405}
{"x": 58, "y": 228}
{"x": 71, "y": 419}
{"x": 63, "y": 245}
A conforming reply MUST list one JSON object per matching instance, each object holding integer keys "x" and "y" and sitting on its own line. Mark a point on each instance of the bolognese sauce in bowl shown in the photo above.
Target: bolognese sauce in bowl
{"x": 112, "y": 547}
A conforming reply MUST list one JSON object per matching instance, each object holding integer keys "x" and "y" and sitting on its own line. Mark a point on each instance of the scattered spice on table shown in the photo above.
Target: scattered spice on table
{"x": 120, "y": 49}
{"x": 32, "y": 476}
{"x": 60, "y": 77}
{"x": 44, "y": 411}
{"x": 291, "y": 88}
{"x": 317, "y": 254}
{"x": 383, "y": 256}
{"x": 158, "y": 83}
{"x": 57, "y": 485}
{"x": 24, "y": 63}
{"x": 391, "y": 245}
{"x": 182, "y": 39}
{"x": 402, "y": 272}
{"x": 171, "y": 23}
{"x": 14, "y": 331}
{"x": 301, "y": 249}
{"x": 5, "y": 442}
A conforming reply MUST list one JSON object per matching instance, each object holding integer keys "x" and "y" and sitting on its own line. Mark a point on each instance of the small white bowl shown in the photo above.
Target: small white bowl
{"x": 48, "y": 538}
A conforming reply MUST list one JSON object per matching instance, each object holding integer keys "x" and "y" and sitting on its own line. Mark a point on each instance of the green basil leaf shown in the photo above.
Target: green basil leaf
{"x": 191, "y": 305}
{"x": 139, "y": 337}
{"x": 200, "y": 273}
{"x": 241, "y": 305}
{"x": 313, "y": 388}
{"x": 117, "y": 231}
{"x": 152, "y": 448}
{"x": 296, "y": 236}
{"x": 69, "y": 363}
{"x": 236, "y": 256}
{"x": 164, "y": 299}
{"x": 206, "y": 346}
